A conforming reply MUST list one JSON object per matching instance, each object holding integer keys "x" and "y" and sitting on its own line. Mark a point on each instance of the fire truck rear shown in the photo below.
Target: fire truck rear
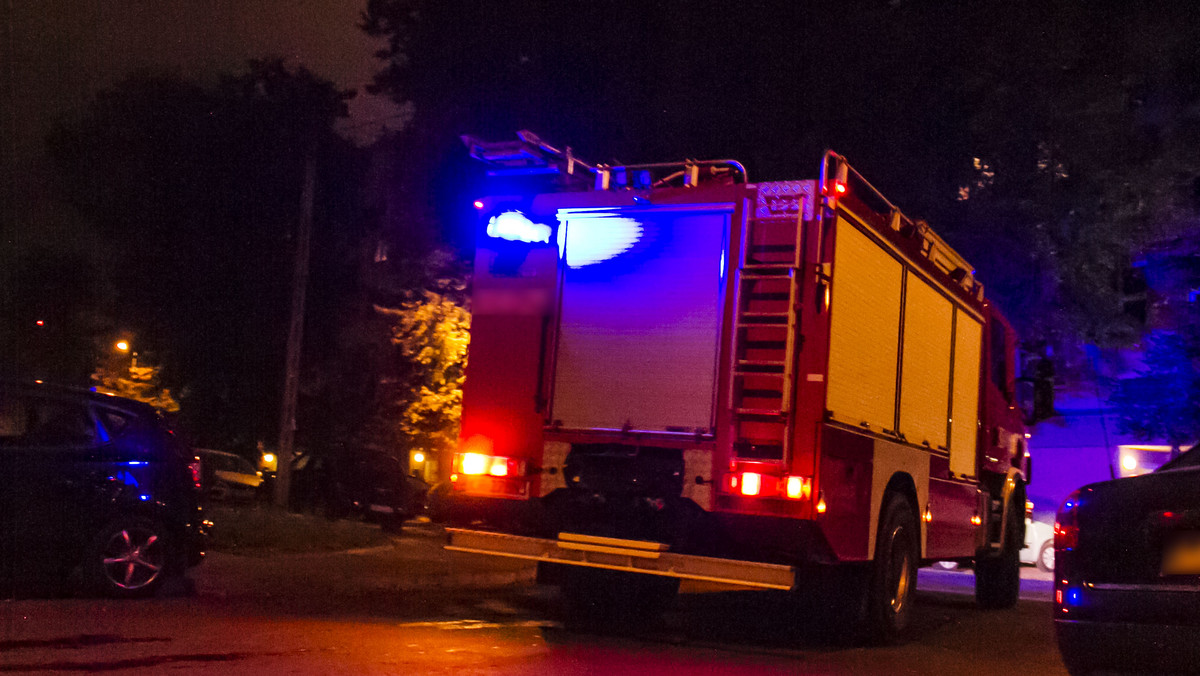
{"x": 677, "y": 374}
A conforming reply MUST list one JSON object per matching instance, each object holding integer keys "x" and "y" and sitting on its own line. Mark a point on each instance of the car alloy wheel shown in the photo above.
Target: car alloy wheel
{"x": 132, "y": 557}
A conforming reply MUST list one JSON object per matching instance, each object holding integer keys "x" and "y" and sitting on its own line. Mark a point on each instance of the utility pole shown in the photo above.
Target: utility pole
{"x": 291, "y": 378}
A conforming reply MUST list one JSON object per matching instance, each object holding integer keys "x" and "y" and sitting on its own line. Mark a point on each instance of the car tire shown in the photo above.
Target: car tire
{"x": 1045, "y": 559}
{"x": 998, "y": 576}
{"x": 892, "y": 580}
{"x": 128, "y": 558}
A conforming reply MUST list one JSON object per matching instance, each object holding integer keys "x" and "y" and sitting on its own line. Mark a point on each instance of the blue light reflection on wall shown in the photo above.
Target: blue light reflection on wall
{"x": 585, "y": 239}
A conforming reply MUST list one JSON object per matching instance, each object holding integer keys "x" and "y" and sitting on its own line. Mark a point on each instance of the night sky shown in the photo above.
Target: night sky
{"x": 58, "y": 53}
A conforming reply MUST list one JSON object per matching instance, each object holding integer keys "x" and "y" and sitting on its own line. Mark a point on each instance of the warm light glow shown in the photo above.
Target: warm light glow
{"x": 798, "y": 487}
{"x": 795, "y": 486}
{"x": 122, "y": 346}
{"x": 499, "y": 467}
{"x": 268, "y": 458}
{"x": 418, "y": 457}
{"x": 976, "y": 520}
{"x": 751, "y": 483}
{"x": 474, "y": 463}
{"x": 821, "y": 503}
{"x": 1129, "y": 463}
{"x": 928, "y": 515}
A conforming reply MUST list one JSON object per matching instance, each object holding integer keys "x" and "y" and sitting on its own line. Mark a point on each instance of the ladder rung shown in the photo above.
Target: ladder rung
{"x": 769, "y": 266}
{"x": 761, "y": 394}
{"x": 765, "y": 344}
{"x": 763, "y": 314}
{"x": 760, "y": 362}
{"x": 781, "y": 275}
{"x": 758, "y": 411}
{"x": 771, "y": 247}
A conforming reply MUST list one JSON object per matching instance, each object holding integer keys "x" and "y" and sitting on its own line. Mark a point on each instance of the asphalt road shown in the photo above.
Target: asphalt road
{"x": 414, "y": 609}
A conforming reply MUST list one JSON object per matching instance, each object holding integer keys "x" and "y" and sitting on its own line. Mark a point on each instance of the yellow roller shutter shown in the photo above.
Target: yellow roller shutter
{"x": 864, "y": 332}
{"x": 965, "y": 414}
{"x": 925, "y": 371}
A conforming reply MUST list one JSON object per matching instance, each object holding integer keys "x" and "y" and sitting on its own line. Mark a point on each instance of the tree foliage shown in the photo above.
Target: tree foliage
{"x": 195, "y": 191}
{"x": 142, "y": 382}
{"x": 420, "y": 406}
{"x": 1164, "y": 401}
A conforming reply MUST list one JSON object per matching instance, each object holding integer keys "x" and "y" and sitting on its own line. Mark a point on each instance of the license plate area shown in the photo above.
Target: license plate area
{"x": 1181, "y": 555}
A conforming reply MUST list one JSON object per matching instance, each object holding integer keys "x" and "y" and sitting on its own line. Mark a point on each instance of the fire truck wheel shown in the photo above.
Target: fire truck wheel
{"x": 612, "y": 600}
{"x": 893, "y": 576}
{"x": 998, "y": 576}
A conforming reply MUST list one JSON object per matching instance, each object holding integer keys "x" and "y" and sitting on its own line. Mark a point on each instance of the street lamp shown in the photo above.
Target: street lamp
{"x": 123, "y": 346}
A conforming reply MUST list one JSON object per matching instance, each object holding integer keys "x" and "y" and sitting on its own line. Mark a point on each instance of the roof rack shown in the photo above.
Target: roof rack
{"x": 530, "y": 155}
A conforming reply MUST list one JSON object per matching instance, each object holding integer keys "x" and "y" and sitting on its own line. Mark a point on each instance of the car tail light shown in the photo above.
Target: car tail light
{"x": 1066, "y": 524}
{"x": 194, "y": 466}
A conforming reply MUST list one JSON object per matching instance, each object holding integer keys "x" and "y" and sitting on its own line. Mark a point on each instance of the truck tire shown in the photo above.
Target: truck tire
{"x": 892, "y": 579}
{"x": 594, "y": 598}
{"x": 998, "y": 576}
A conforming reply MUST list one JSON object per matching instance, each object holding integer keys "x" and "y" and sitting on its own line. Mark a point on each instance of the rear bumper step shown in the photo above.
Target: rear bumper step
{"x": 633, "y": 556}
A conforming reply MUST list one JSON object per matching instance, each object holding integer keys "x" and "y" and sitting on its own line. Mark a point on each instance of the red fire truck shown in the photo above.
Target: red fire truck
{"x": 675, "y": 373}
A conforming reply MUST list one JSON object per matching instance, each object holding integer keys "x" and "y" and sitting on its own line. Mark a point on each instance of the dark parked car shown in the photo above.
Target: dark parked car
{"x": 1127, "y": 572}
{"x": 350, "y": 482}
{"x": 96, "y": 488}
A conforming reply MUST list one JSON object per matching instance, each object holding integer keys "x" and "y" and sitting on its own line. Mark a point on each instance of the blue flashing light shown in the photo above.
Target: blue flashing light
{"x": 588, "y": 239}
{"x": 144, "y": 498}
{"x": 516, "y": 226}
{"x": 135, "y": 463}
{"x": 1074, "y": 596}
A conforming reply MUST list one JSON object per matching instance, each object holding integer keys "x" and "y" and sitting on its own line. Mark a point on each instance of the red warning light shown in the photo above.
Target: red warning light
{"x": 41, "y": 323}
{"x": 839, "y": 187}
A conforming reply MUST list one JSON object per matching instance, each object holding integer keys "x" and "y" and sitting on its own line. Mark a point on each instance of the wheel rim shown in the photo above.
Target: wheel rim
{"x": 1048, "y": 558}
{"x": 899, "y": 571}
{"x": 133, "y": 558}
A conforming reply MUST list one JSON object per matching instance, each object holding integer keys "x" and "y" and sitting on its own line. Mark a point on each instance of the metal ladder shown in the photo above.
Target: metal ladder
{"x": 764, "y": 336}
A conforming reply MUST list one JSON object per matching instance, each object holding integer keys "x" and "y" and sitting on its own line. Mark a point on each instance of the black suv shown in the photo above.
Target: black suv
{"x": 93, "y": 485}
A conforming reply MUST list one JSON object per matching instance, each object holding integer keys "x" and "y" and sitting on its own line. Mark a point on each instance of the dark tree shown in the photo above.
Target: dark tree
{"x": 196, "y": 191}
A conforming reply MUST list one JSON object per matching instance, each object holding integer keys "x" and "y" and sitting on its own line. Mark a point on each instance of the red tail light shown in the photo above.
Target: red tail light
{"x": 1066, "y": 524}
{"x": 194, "y": 466}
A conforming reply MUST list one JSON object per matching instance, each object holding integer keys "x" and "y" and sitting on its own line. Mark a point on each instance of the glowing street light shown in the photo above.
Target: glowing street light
{"x": 122, "y": 345}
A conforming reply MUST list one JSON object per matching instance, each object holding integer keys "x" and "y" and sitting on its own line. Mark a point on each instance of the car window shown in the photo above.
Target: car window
{"x": 114, "y": 422}
{"x": 1189, "y": 458}
{"x": 54, "y": 422}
